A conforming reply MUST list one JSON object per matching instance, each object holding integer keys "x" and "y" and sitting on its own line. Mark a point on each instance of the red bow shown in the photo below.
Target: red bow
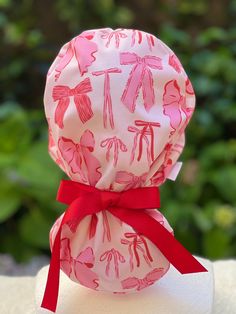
{"x": 128, "y": 206}
{"x": 61, "y": 93}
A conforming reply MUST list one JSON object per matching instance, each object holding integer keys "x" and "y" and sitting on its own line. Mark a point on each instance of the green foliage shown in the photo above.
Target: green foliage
{"x": 201, "y": 204}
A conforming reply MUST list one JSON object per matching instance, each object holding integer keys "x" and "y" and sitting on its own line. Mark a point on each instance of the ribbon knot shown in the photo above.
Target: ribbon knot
{"x": 130, "y": 208}
{"x": 109, "y": 200}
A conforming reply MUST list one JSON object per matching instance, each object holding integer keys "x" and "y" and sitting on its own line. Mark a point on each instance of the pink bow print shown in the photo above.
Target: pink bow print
{"x": 117, "y": 34}
{"x": 146, "y": 131}
{"x": 140, "y": 76}
{"x": 80, "y": 264}
{"x": 106, "y": 227}
{"x": 83, "y": 49}
{"x": 107, "y": 106}
{"x": 149, "y": 37}
{"x": 150, "y": 278}
{"x": 130, "y": 180}
{"x": 167, "y": 164}
{"x": 117, "y": 144}
{"x": 175, "y": 63}
{"x": 66, "y": 259}
{"x": 188, "y": 111}
{"x": 134, "y": 245}
{"x": 79, "y": 157}
{"x": 82, "y": 102}
{"x": 52, "y": 148}
{"x": 172, "y": 102}
{"x": 116, "y": 256}
{"x": 189, "y": 87}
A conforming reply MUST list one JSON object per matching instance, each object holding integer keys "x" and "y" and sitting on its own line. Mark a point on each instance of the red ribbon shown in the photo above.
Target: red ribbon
{"x": 128, "y": 206}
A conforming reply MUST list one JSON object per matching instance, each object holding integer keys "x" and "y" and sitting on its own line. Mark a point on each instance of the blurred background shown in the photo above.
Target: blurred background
{"x": 201, "y": 204}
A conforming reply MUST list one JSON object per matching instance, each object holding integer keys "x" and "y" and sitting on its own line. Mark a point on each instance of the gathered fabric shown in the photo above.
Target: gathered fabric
{"x": 117, "y": 103}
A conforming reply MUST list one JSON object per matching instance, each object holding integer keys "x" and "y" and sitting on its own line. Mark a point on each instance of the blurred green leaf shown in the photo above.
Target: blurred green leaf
{"x": 9, "y": 204}
{"x": 34, "y": 229}
{"x": 216, "y": 243}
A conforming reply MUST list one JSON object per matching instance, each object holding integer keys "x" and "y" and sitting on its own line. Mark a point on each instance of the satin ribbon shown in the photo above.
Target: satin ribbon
{"x": 128, "y": 206}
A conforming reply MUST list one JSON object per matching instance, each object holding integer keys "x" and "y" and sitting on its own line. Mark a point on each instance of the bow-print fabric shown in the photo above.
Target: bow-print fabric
{"x": 79, "y": 157}
{"x": 113, "y": 99}
{"x": 129, "y": 180}
{"x": 173, "y": 101}
{"x": 79, "y": 266}
{"x": 140, "y": 284}
{"x": 117, "y": 34}
{"x": 139, "y": 77}
{"x": 116, "y": 257}
{"x": 107, "y": 105}
{"x": 143, "y": 134}
{"x": 167, "y": 163}
{"x": 82, "y": 101}
{"x": 135, "y": 243}
{"x": 117, "y": 145}
{"x": 81, "y": 47}
{"x": 150, "y": 39}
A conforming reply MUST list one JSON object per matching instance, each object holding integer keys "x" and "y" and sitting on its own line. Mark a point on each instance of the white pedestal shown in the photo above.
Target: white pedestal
{"x": 173, "y": 294}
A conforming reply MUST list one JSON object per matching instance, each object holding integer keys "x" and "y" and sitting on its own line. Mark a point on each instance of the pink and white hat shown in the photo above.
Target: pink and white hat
{"x": 117, "y": 104}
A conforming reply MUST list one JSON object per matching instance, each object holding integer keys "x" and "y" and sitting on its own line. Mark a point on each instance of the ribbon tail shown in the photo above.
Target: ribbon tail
{"x": 84, "y": 107}
{"x": 52, "y": 286}
{"x": 132, "y": 87}
{"x": 148, "y": 90}
{"x": 60, "y": 111}
{"x": 172, "y": 249}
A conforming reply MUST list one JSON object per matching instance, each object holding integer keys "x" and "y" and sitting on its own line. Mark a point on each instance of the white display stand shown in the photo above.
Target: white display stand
{"x": 173, "y": 294}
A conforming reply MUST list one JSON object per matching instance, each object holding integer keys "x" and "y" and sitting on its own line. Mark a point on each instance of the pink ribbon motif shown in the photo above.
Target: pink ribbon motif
{"x": 83, "y": 48}
{"x": 80, "y": 265}
{"x": 140, "y": 76}
{"x": 117, "y": 144}
{"x": 79, "y": 157}
{"x": 148, "y": 280}
{"x": 188, "y": 111}
{"x": 62, "y": 94}
{"x": 146, "y": 131}
{"x": 175, "y": 63}
{"x": 52, "y": 148}
{"x": 117, "y": 34}
{"x": 130, "y": 180}
{"x": 149, "y": 37}
{"x": 116, "y": 257}
{"x": 167, "y": 154}
{"x": 172, "y": 103}
{"x": 134, "y": 246}
{"x": 106, "y": 227}
{"x": 107, "y": 106}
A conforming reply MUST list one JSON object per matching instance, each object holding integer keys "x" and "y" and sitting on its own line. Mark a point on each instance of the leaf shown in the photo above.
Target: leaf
{"x": 224, "y": 180}
{"x": 15, "y": 133}
{"x": 216, "y": 244}
{"x": 9, "y": 204}
{"x": 34, "y": 229}
{"x": 39, "y": 172}
{"x": 203, "y": 222}
{"x": 10, "y": 200}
